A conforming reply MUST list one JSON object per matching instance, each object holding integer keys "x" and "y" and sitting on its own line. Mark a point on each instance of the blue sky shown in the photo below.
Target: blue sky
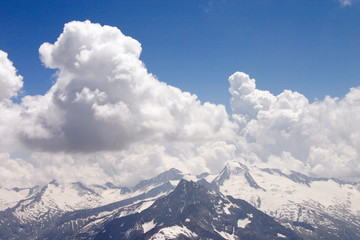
{"x": 102, "y": 123}
{"x": 312, "y": 47}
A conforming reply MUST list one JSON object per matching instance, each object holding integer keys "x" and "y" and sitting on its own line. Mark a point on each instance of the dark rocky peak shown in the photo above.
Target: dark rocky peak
{"x": 54, "y": 182}
{"x": 111, "y": 185}
{"x": 169, "y": 175}
{"x": 83, "y": 189}
{"x": 300, "y": 178}
{"x": 123, "y": 190}
{"x": 16, "y": 189}
{"x": 207, "y": 185}
{"x": 235, "y": 168}
{"x": 185, "y": 193}
{"x": 204, "y": 214}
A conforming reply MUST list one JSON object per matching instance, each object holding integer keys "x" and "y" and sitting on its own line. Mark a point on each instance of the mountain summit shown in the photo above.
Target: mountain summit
{"x": 193, "y": 212}
{"x": 316, "y": 208}
{"x": 241, "y": 202}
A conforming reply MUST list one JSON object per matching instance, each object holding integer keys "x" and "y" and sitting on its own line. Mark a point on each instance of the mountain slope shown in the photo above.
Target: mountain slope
{"x": 62, "y": 209}
{"x": 316, "y": 208}
{"x": 10, "y": 197}
{"x": 193, "y": 212}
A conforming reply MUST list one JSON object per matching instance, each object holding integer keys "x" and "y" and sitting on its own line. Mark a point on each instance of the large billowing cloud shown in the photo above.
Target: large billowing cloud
{"x": 10, "y": 82}
{"x": 321, "y": 137}
{"x": 105, "y": 103}
{"x": 106, "y": 118}
{"x": 104, "y": 98}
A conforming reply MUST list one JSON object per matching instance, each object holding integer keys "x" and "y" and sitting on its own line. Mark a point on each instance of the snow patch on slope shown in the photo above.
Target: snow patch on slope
{"x": 172, "y": 233}
{"x": 279, "y": 235}
{"x": 226, "y": 235}
{"x": 241, "y": 223}
{"x": 148, "y": 226}
{"x": 144, "y": 205}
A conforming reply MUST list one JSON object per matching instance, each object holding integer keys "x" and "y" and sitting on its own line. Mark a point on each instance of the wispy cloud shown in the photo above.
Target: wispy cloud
{"x": 208, "y": 6}
{"x": 346, "y": 2}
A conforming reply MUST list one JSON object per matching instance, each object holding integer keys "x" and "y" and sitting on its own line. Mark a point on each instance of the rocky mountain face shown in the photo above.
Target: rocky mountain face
{"x": 241, "y": 202}
{"x": 316, "y": 208}
{"x": 57, "y": 211}
{"x": 193, "y": 212}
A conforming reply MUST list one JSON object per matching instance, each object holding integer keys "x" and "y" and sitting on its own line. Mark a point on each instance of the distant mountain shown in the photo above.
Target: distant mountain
{"x": 170, "y": 175}
{"x": 241, "y": 202}
{"x": 58, "y": 210}
{"x": 193, "y": 212}
{"x": 10, "y": 197}
{"x": 316, "y": 208}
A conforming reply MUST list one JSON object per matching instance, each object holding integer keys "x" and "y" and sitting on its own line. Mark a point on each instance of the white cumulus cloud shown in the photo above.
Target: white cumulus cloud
{"x": 10, "y": 82}
{"x": 105, "y": 99}
{"x": 323, "y": 135}
{"x": 106, "y": 118}
{"x": 106, "y": 114}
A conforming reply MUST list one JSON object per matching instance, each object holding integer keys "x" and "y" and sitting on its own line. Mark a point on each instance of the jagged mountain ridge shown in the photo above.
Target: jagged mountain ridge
{"x": 314, "y": 208}
{"x": 326, "y": 206}
{"x": 192, "y": 211}
{"x": 67, "y": 207}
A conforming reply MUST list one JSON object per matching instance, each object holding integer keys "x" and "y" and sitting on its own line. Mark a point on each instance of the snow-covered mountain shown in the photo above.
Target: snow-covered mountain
{"x": 10, "y": 197}
{"x": 192, "y": 211}
{"x": 67, "y": 207}
{"x": 313, "y": 208}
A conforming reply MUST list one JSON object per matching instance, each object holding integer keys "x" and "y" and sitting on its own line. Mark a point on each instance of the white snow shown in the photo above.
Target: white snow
{"x": 174, "y": 182}
{"x": 10, "y": 197}
{"x": 226, "y": 235}
{"x": 241, "y": 223}
{"x": 281, "y": 235}
{"x": 226, "y": 208}
{"x": 144, "y": 205}
{"x": 282, "y": 194}
{"x": 148, "y": 226}
{"x": 55, "y": 199}
{"x": 172, "y": 232}
{"x": 59, "y": 198}
{"x": 111, "y": 195}
{"x": 211, "y": 177}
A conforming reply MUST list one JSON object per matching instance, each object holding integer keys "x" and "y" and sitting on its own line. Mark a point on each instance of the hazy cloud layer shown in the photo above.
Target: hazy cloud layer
{"x": 106, "y": 118}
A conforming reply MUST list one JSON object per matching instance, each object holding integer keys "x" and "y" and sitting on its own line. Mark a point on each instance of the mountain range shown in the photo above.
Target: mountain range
{"x": 241, "y": 202}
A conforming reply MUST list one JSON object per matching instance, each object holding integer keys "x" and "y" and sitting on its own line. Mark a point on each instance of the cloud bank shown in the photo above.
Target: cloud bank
{"x": 106, "y": 118}
{"x": 321, "y": 137}
{"x": 104, "y": 98}
{"x": 9, "y": 80}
